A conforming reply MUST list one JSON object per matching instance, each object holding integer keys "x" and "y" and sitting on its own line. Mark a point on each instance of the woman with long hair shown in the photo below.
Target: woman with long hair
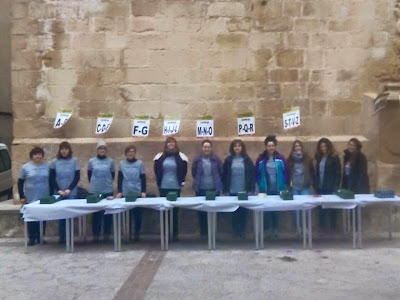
{"x": 170, "y": 167}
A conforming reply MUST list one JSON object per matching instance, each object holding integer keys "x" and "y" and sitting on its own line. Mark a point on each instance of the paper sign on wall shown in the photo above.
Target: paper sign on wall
{"x": 171, "y": 126}
{"x": 141, "y": 126}
{"x": 246, "y": 124}
{"x": 291, "y": 118}
{"x": 103, "y": 123}
{"x": 62, "y": 118}
{"x": 205, "y": 127}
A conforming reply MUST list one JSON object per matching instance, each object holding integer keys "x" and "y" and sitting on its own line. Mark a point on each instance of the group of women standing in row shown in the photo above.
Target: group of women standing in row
{"x": 270, "y": 174}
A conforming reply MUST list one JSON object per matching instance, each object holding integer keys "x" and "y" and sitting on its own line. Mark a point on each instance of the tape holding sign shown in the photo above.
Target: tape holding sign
{"x": 246, "y": 125}
{"x": 205, "y": 128}
{"x": 103, "y": 123}
{"x": 141, "y": 127}
{"x": 291, "y": 118}
{"x": 171, "y": 127}
{"x": 62, "y": 118}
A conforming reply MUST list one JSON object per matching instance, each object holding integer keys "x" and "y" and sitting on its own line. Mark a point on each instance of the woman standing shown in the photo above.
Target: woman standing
{"x": 207, "y": 173}
{"x": 65, "y": 175}
{"x": 355, "y": 173}
{"x": 272, "y": 177}
{"x": 132, "y": 180}
{"x": 170, "y": 167}
{"x": 33, "y": 184}
{"x": 238, "y": 175}
{"x": 327, "y": 179}
{"x": 101, "y": 173}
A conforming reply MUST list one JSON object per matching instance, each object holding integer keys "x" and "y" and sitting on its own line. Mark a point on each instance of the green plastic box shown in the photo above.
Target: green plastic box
{"x": 172, "y": 196}
{"x": 48, "y": 200}
{"x": 94, "y": 198}
{"x": 243, "y": 196}
{"x": 286, "y": 195}
{"x": 345, "y": 194}
{"x": 131, "y": 197}
{"x": 210, "y": 195}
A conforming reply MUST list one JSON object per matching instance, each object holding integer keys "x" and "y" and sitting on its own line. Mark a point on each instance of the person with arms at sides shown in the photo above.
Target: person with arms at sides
{"x": 170, "y": 167}
{"x": 272, "y": 177}
{"x": 101, "y": 173}
{"x": 327, "y": 180}
{"x": 207, "y": 173}
{"x": 65, "y": 175}
{"x": 132, "y": 180}
{"x": 238, "y": 176}
{"x": 355, "y": 173}
{"x": 34, "y": 183}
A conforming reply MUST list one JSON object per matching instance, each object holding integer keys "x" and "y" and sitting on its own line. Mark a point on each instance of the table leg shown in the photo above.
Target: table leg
{"x": 214, "y": 229}
{"x": 162, "y": 229}
{"x": 84, "y": 228}
{"x": 128, "y": 226}
{"x": 123, "y": 223}
{"x": 209, "y": 228}
{"x": 67, "y": 236}
{"x": 166, "y": 229}
{"x": 41, "y": 232}
{"x": 359, "y": 231}
{"x": 298, "y": 227}
{"x": 256, "y": 229}
{"x": 120, "y": 215}
{"x": 25, "y": 237}
{"x": 115, "y": 224}
{"x": 353, "y": 212}
{"x": 72, "y": 234}
{"x": 80, "y": 228}
{"x": 261, "y": 229}
{"x": 390, "y": 221}
{"x": 309, "y": 211}
{"x": 303, "y": 214}
{"x": 171, "y": 222}
{"x": 348, "y": 214}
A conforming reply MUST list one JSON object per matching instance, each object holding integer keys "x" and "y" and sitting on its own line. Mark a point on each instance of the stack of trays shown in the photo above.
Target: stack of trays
{"x": 210, "y": 195}
{"x": 243, "y": 196}
{"x": 172, "y": 196}
{"x": 131, "y": 197}
{"x": 286, "y": 195}
{"x": 94, "y": 198}
{"x": 48, "y": 200}
{"x": 384, "y": 194}
{"x": 345, "y": 194}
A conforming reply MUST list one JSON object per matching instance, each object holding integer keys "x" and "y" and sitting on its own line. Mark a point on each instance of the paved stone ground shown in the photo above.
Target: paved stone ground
{"x": 332, "y": 270}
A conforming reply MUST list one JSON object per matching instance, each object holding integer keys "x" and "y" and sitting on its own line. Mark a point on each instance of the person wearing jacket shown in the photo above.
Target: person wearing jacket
{"x": 101, "y": 173}
{"x": 207, "y": 174}
{"x": 34, "y": 183}
{"x": 327, "y": 179}
{"x": 355, "y": 171}
{"x": 132, "y": 180}
{"x": 301, "y": 173}
{"x": 65, "y": 175}
{"x": 272, "y": 176}
{"x": 170, "y": 168}
{"x": 237, "y": 176}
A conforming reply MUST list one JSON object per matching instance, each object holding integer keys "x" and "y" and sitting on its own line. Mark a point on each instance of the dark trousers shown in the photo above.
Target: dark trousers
{"x": 271, "y": 218}
{"x": 327, "y": 217}
{"x": 239, "y": 220}
{"x": 100, "y": 218}
{"x": 34, "y": 230}
{"x": 136, "y": 215}
{"x": 163, "y": 193}
{"x": 61, "y": 229}
{"x": 202, "y": 215}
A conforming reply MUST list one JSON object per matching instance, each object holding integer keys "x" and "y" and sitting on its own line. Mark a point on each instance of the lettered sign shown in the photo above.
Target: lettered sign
{"x": 205, "y": 128}
{"x": 246, "y": 126}
{"x": 61, "y": 119}
{"x": 171, "y": 127}
{"x": 291, "y": 118}
{"x": 103, "y": 124}
{"x": 140, "y": 127}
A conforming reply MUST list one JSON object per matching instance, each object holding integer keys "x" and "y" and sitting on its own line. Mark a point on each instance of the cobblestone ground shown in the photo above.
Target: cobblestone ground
{"x": 332, "y": 270}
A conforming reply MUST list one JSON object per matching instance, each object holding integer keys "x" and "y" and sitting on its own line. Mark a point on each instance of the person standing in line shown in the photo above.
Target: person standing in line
{"x": 355, "y": 171}
{"x": 272, "y": 177}
{"x": 238, "y": 176}
{"x": 170, "y": 168}
{"x": 34, "y": 183}
{"x": 101, "y": 173}
{"x": 132, "y": 180}
{"x": 65, "y": 175}
{"x": 207, "y": 173}
{"x": 327, "y": 180}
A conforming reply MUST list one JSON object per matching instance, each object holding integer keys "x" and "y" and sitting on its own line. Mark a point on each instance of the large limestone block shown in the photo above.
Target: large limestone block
{"x": 290, "y": 59}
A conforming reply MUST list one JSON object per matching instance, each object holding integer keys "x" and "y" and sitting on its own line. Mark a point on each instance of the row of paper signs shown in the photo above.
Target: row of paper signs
{"x": 204, "y": 126}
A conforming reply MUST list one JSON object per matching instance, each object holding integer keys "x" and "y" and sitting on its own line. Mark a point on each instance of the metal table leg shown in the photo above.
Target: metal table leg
{"x": 209, "y": 228}
{"x": 171, "y": 222}
{"x": 303, "y": 214}
{"x": 41, "y": 232}
{"x": 353, "y": 212}
{"x": 119, "y": 230}
{"x": 298, "y": 227}
{"x": 115, "y": 224}
{"x": 261, "y": 229}
{"x": 84, "y": 228}
{"x": 256, "y": 229}
{"x": 359, "y": 229}
{"x": 26, "y": 237}
{"x": 214, "y": 229}
{"x": 80, "y": 225}
{"x": 309, "y": 211}
{"x": 166, "y": 229}
{"x": 128, "y": 226}
{"x": 67, "y": 236}
{"x": 162, "y": 230}
{"x": 71, "y": 221}
{"x": 390, "y": 220}
{"x": 123, "y": 223}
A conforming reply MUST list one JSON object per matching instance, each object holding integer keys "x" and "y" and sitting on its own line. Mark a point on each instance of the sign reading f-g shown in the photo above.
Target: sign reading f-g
{"x": 246, "y": 125}
{"x": 205, "y": 128}
{"x": 141, "y": 127}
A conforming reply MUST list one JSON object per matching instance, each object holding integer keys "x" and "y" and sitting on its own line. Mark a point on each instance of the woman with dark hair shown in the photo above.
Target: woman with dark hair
{"x": 132, "y": 180}
{"x": 207, "y": 174}
{"x": 301, "y": 169}
{"x": 33, "y": 184}
{"x": 355, "y": 173}
{"x": 272, "y": 177}
{"x": 238, "y": 176}
{"x": 327, "y": 179}
{"x": 170, "y": 167}
{"x": 101, "y": 173}
{"x": 65, "y": 175}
